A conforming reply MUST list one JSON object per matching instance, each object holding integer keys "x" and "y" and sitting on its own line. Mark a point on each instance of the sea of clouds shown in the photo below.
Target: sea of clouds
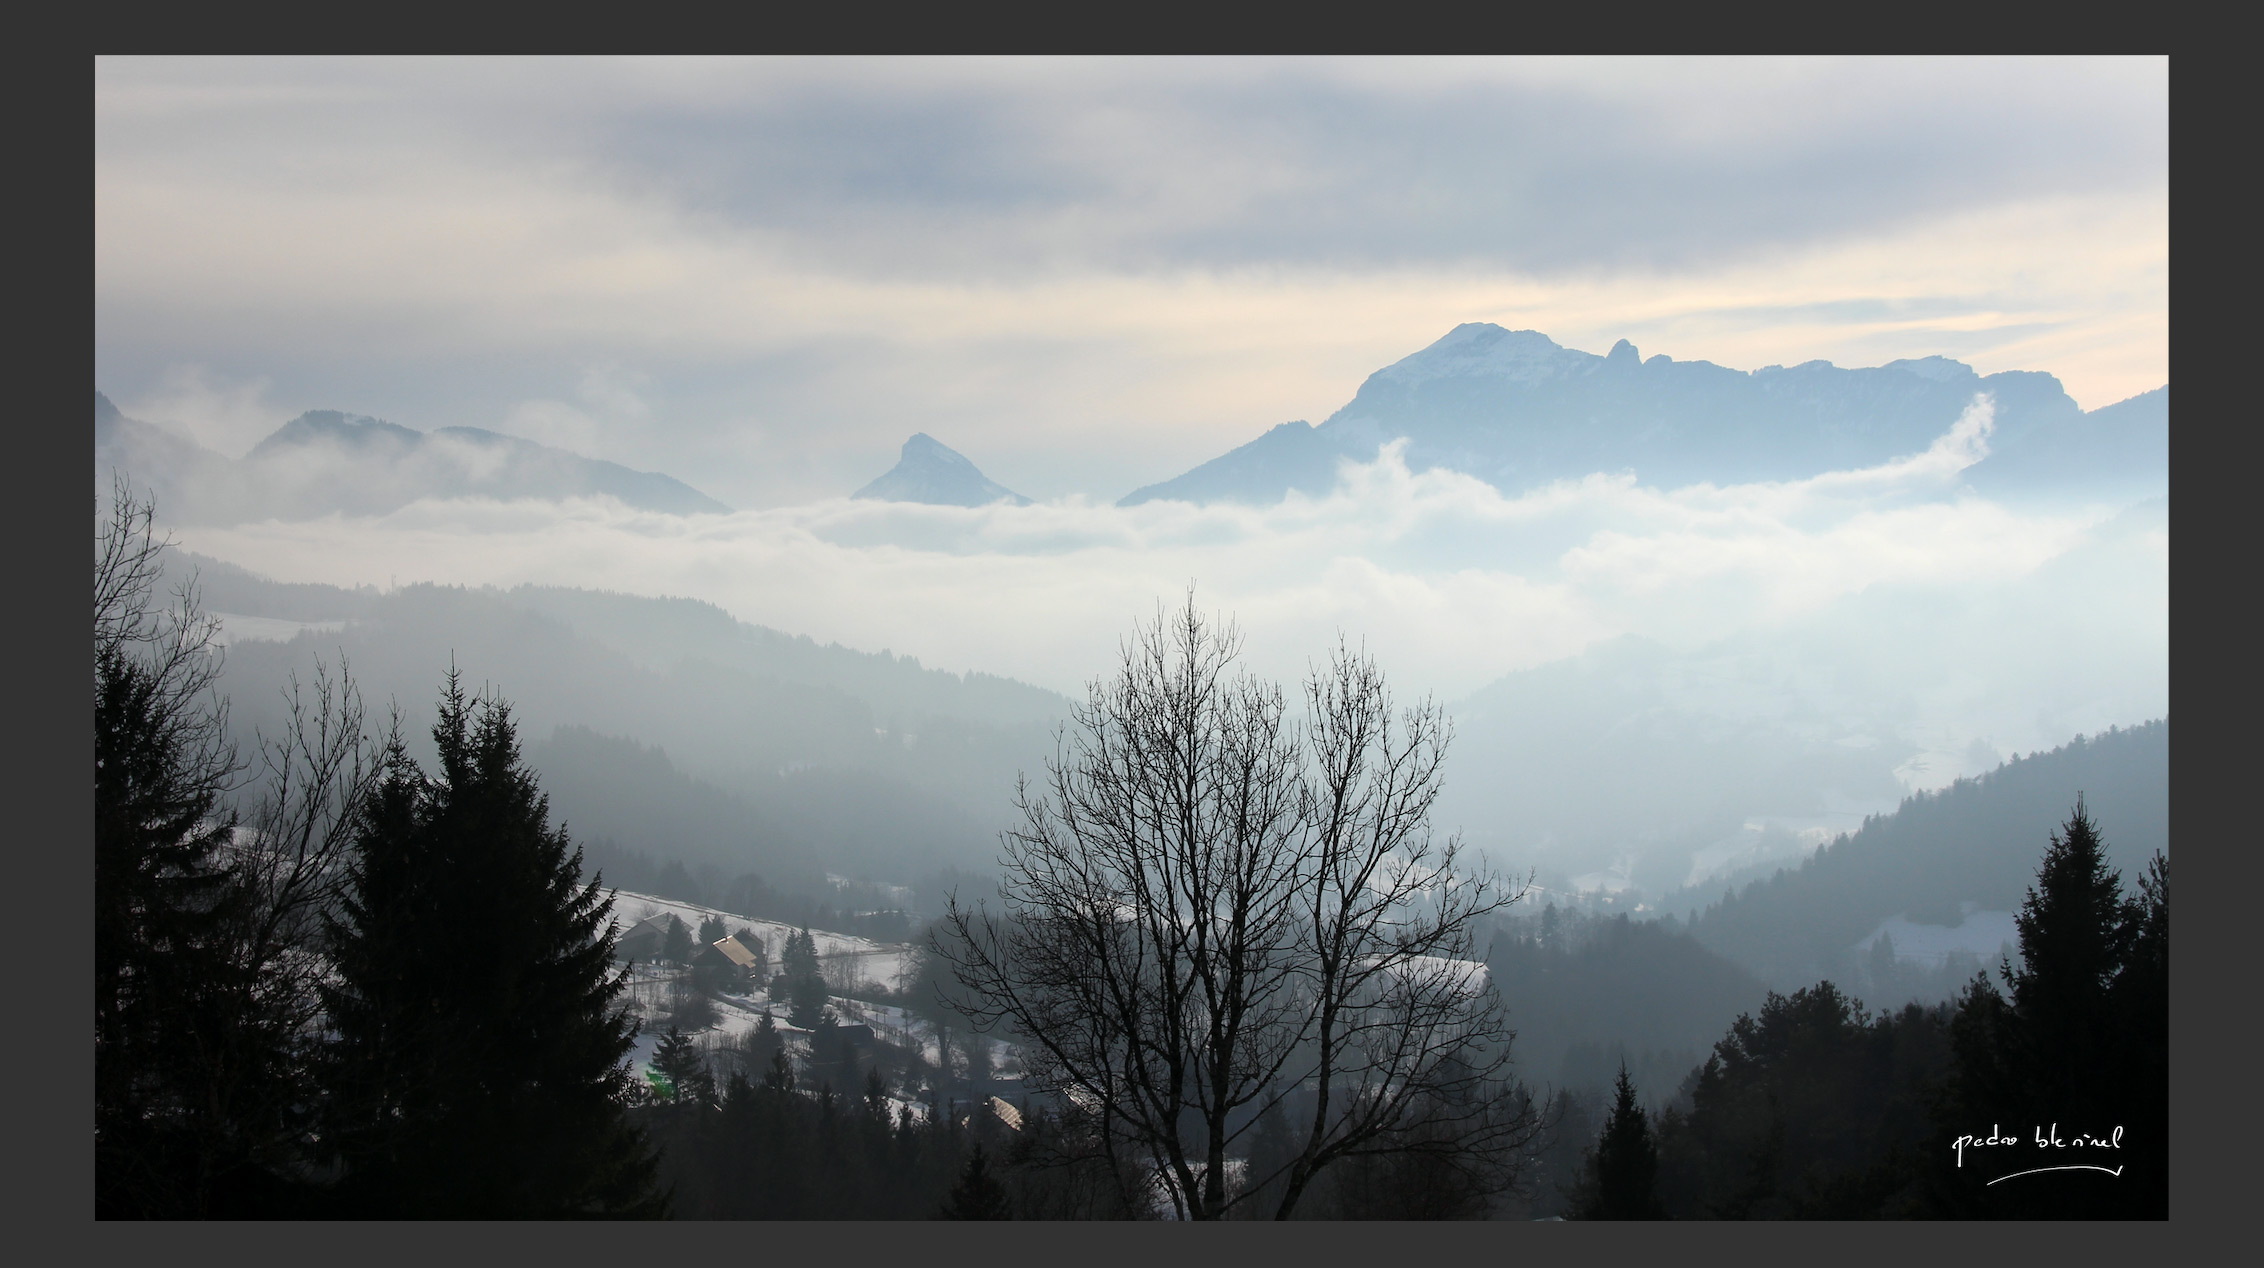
{"x": 1891, "y": 596}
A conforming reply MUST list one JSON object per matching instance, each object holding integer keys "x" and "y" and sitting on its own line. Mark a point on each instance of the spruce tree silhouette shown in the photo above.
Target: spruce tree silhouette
{"x": 690, "y": 1085}
{"x": 805, "y": 985}
{"x": 477, "y": 1070}
{"x": 779, "y": 1078}
{"x": 800, "y": 954}
{"x": 2075, "y": 1046}
{"x": 2072, "y": 938}
{"x": 977, "y": 1196}
{"x": 1624, "y": 1170}
{"x": 168, "y": 986}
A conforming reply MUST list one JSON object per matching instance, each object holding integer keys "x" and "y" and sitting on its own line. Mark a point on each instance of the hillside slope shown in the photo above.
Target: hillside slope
{"x": 814, "y": 759}
{"x": 1973, "y": 846}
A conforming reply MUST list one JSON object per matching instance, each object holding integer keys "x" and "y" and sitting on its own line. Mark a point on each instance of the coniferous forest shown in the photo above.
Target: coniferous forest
{"x": 335, "y": 981}
{"x": 1255, "y": 637}
{"x": 1554, "y": 639}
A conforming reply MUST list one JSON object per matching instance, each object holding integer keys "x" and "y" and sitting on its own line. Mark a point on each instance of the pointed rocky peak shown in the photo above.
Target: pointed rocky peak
{"x": 1485, "y": 341}
{"x": 1481, "y": 349}
{"x": 927, "y": 470}
{"x": 1623, "y": 354}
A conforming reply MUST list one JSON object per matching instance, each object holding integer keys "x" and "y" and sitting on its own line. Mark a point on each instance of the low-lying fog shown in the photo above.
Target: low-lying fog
{"x": 1887, "y": 614}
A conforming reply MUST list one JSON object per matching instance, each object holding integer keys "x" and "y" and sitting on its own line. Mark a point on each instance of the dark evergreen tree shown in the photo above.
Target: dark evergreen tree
{"x": 2075, "y": 1045}
{"x": 800, "y": 956}
{"x": 170, "y": 1027}
{"x": 678, "y": 1061}
{"x": 712, "y": 973}
{"x": 1623, "y": 1172}
{"x": 805, "y": 1000}
{"x": 477, "y": 1068}
{"x": 780, "y": 1076}
{"x": 2073, "y": 933}
{"x": 676, "y": 945}
{"x": 977, "y": 1196}
{"x": 877, "y": 1107}
{"x": 762, "y": 1042}
{"x": 1805, "y": 1111}
{"x": 805, "y": 986}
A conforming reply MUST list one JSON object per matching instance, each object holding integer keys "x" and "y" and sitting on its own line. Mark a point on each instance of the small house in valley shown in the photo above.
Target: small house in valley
{"x": 730, "y": 955}
{"x": 643, "y": 940}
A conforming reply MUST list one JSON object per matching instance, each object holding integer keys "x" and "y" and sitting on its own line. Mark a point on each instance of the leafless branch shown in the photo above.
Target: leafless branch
{"x": 1210, "y": 910}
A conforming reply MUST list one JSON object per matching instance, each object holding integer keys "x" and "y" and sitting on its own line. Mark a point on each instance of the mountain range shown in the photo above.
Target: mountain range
{"x": 1511, "y": 407}
{"x": 325, "y": 461}
{"x": 1518, "y": 410}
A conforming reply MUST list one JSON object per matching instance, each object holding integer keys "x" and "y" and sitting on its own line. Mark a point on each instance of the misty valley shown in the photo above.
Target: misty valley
{"x": 517, "y": 898}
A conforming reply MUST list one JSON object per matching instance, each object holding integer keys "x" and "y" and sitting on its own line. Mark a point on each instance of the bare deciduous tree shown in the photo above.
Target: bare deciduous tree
{"x": 293, "y": 850}
{"x": 1212, "y": 910}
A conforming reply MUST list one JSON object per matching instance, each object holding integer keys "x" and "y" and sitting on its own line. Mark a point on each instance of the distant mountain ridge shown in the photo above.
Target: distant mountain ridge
{"x": 326, "y": 461}
{"x": 929, "y": 471}
{"x": 818, "y": 757}
{"x": 1517, "y": 409}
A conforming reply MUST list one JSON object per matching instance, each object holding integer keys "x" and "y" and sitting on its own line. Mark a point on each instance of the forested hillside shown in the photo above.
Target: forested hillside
{"x": 1970, "y": 846}
{"x": 1587, "y": 992}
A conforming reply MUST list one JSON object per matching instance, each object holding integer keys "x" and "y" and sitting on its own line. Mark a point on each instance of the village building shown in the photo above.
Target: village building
{"x": 988, "y": 1116}
{"x": 643, "y": 940}
{"x": 730, "y": 955}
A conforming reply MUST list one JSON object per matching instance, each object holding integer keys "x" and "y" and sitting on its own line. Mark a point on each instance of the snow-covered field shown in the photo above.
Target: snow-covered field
{"x": 888, "y": 964}
{"x": 885, "y": 964}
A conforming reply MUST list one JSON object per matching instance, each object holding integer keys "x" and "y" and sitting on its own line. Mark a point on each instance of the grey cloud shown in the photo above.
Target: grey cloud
{"x": 1134, "y": 201}
{"x": 999, "y": 169}
{"x": 1268, "y": 164}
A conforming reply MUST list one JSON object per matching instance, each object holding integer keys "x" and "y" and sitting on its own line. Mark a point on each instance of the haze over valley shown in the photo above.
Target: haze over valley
{"x": 826, "y": 492}
{"x": 1658, "y": 685}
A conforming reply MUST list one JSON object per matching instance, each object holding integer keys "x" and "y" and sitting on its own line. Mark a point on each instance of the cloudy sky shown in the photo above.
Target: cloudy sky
{"x": 1087, "y": 275}
{"x": 760, "y": 277}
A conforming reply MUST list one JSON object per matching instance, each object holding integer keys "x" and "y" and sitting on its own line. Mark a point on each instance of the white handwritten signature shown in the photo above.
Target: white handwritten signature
{"x": 2045, "y": 1139}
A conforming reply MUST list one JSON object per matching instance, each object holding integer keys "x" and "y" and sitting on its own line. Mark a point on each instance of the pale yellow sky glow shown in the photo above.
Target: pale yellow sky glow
{"x": 282, "y": 238}
{"x": 761, "y": 277}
